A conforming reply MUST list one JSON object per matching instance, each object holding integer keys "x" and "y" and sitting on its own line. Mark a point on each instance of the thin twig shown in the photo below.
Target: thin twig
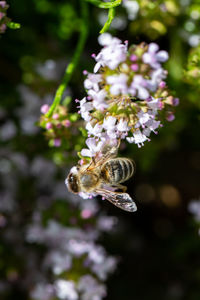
{"x": 105, "y": 4}
{"x": 111, "y": 14}
{"x": 72, "y": 65}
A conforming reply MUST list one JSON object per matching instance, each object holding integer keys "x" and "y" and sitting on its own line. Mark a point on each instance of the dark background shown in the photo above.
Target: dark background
{"x": 158, "y": 246}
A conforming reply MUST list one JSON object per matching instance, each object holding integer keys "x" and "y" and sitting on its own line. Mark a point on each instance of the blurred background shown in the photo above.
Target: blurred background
{"x": 153, "y": 253}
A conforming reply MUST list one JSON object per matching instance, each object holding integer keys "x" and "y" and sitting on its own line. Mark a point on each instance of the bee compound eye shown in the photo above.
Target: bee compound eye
{"x": 73, "y": 183}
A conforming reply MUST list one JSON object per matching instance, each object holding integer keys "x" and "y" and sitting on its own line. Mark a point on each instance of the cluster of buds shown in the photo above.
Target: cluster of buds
{"x": 3, "y": 18}
{"x": 126, "y": 94}
{"x": 152, "y": 18}
{"x": 192, "y": 72}
{"x": 57, "y": 126}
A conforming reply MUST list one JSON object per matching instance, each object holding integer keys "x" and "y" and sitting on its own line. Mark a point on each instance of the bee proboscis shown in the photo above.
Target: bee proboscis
{"x": 103, "y": 176}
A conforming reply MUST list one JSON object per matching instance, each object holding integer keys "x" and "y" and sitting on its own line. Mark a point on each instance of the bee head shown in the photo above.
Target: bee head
{"x": 72, "y": 181}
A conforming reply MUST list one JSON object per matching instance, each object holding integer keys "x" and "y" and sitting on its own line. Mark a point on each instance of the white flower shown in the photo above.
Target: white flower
{"x": 109, "y": 123}
{"x": 132, "y": 8}
{"x": 194, "y": 208}
{"x": 58, "y": 261}
{"x": 103, "y": 269}
{"x": 96, "y": 130}
{"x": 8, "y": 131}
{"x": 109, "y": 126}
{"x": 154, "y": 57}
{"x": 113, "y": 53}
{"x": 106, "y": 223}
{"x": 143, "y": 117}
{"x": 139, "y": 85}
{"x": 92, "y": 82}
{"x": 85, "y": 108}
{"x": 138, "y": 138}
{"x": 43, "y": 291}
{"x": 98, "y": 99}
{"x": 96, "y": 255}
{"x": 154, "y": 104}
{"x": 122, "y": 125}
{"x": 93, "y": 146}
{"x": 118, "y": 84}
{"x": 90, "y": 288}
{"x": 65, "y": 289}
{"x": 151, "y": 125}
{"x": 130, "y": 139}
{"x": 78, "y": 248}
{"x": 156, "y": 77}
{"x": 106, "y": 39}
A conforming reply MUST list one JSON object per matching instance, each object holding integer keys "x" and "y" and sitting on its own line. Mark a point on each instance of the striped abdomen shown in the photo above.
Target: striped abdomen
{"x": 117, "y": 170}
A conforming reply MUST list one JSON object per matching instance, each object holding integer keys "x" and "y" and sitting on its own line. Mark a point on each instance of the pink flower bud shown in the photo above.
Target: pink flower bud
{"x": 55, "y": 116}
{"x": 81, "y": 162}
{"x": 67, "y": 123}
{"x": 93, "y": 55}
{"x": 85, "y": 72}
{"x": 86, "y": 214}
{"x": 57, "y": 142}
{"x": 44, "y": 108}
{"x": 2, "y": 28}
{"x": 170, "y": 117}
{"x": 134, "y": 67}
{"x": 162, "y": 84}
{"x": 2, "y": 15}
{"x": 59, "y": 125}
{"x": 49, "y": 125}
{"x": 133, "y": 57}
{"x": 160, "y": 105}
{"x": 175, "y": 101}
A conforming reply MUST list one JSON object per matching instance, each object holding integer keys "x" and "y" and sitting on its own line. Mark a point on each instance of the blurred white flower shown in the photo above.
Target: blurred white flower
{"x": 65, "y": 290}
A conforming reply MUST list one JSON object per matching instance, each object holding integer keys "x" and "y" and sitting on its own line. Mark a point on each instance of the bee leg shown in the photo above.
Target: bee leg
{"x": 121, "y": 187}
{"x": 118, "y": 143}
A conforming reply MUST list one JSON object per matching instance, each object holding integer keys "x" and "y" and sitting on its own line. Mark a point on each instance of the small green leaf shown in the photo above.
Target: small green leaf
{"x": 113, "y": 109}
{"x": 98, "y": 115}
{"x": 83, "y": 131}
{"x": 13, "y": 25}
{"x": 73, "y": 117}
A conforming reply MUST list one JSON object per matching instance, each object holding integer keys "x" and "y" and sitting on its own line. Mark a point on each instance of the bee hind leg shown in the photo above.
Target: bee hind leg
{"x": 120, "y": 187}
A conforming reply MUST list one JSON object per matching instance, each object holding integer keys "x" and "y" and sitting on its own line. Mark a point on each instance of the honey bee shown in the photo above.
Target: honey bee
{"x": 103, "y": 176}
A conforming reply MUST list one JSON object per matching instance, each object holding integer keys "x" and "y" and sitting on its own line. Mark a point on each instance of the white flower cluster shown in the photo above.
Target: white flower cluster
{"x": 125, "y": 97}
{"x": 194, "y": 208}
{"x": 132, "y": 7}
{"x": 44, "y": 269}
{"x": 64, "y": 245}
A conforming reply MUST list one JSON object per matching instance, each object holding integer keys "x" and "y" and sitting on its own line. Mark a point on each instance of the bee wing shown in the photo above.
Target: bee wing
{"x": 106, "y": 154}
{"x": 121, "y": 200}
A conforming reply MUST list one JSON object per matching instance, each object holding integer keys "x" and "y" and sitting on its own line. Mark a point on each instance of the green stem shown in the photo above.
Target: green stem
{"x": 72, "y": 65}
{"x": 111, "y": 14}
{"x": 105, "y": 4}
